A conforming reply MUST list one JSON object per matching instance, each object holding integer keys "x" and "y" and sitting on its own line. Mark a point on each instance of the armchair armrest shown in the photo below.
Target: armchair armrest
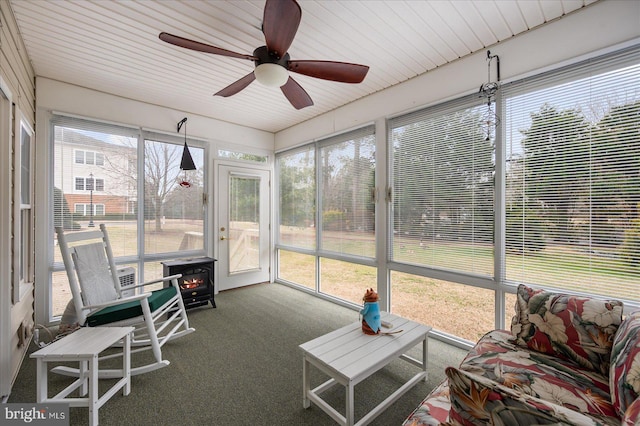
{"x": 118, "y": 301}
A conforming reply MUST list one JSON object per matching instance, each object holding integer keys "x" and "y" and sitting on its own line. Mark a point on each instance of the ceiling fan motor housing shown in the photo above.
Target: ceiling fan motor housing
{"x": 263, "y": 56}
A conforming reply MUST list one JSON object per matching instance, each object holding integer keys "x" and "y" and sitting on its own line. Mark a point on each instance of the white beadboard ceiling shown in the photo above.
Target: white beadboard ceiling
{"x": 113, "y": 47}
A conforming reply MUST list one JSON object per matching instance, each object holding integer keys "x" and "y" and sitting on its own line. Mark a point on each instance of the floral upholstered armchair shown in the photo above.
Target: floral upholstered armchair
{"x": 567, "y": 360}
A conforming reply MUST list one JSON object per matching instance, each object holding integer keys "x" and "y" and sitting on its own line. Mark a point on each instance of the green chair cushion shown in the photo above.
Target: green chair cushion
{"x": 130, "y": 309}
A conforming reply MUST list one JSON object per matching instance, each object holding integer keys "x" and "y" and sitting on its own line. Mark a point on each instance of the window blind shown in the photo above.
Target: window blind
{"x": 94, "y": 175}
{"x": 296, "y": 173}
{"x": 347, "y": 180}
{"x": 94, "y": 178}
{"x": 573, "y": 183}
{"x": 442, "y": 200}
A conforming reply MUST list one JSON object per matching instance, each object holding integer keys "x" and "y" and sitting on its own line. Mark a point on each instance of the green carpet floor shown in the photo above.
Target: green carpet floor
{"x": 242, "y": 366}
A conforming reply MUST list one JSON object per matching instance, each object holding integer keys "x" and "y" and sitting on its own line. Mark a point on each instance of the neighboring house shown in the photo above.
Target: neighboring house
{"x": 96, "y": 175}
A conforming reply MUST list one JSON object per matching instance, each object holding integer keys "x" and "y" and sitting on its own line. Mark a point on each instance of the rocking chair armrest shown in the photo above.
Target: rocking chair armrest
{"x": 118, "y": 301}
{"x": 158, "y": 280}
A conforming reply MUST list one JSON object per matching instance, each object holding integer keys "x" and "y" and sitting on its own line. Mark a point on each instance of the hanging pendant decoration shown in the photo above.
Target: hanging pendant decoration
{"x": 490, "y": 120}
{"x": 187, "y": 161}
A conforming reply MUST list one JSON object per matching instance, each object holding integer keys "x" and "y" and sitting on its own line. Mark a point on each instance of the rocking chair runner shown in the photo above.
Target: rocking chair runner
{"x": 158, "y": 316}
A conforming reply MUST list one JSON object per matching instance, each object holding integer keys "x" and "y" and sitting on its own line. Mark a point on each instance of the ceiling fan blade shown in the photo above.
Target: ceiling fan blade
{"x": 234, "y": 88}
{"x": 280, "y": 24}
{"x": 298, "y": 97}
{"x": 329, "y": 70}
{"x": 201, "y": 47}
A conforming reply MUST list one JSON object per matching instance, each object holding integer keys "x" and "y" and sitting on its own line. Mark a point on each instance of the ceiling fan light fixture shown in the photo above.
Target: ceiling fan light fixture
{"x": 271, "y": 75}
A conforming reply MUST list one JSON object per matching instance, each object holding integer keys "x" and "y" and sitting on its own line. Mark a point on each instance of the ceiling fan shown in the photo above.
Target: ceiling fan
{"x": 279, "y": 26}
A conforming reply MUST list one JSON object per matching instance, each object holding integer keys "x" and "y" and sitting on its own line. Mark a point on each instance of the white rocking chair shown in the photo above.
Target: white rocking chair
{"x": 158, "y": 315}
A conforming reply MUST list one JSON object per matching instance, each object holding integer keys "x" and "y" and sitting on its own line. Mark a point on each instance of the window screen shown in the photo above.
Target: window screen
{"x": 173, "y": 201}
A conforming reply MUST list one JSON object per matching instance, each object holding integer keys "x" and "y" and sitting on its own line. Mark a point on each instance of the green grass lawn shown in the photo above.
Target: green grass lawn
{"x": 459, "y": 309}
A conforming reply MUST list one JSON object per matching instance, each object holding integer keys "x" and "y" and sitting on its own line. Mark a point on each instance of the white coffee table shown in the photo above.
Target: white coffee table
{"x": 349, "y": 356}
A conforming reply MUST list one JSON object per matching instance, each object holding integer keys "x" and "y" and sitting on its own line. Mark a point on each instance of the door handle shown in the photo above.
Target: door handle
{"x": 222, "y": 238}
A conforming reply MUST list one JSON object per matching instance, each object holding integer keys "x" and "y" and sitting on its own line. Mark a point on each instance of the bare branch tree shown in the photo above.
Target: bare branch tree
{"x": 161, "y": 161}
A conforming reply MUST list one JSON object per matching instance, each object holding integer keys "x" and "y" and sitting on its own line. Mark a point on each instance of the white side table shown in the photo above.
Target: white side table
{"x": 84, "y": 346}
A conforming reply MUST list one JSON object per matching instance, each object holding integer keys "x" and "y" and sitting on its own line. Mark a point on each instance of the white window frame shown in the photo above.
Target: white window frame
{"x": 140, "y": 259}
{"x": 23, "y": 262}
{"x": 317, "y": 251}
{"x": 6, "y": 331}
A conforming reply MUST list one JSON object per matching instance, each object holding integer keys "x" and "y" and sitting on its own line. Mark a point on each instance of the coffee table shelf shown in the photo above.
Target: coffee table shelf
{"x": 349, "y": 356}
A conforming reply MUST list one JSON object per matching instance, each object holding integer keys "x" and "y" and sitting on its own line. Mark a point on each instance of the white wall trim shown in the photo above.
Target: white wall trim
{"x": 72, "y": 100}
{"x": 5, "y": 237}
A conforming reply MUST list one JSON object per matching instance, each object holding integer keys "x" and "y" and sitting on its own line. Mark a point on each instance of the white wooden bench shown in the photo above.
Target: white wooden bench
{"x": 84, "y": 346}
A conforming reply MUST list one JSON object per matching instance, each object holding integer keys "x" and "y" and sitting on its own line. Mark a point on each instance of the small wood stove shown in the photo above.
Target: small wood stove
{"x": 196, "y": 284}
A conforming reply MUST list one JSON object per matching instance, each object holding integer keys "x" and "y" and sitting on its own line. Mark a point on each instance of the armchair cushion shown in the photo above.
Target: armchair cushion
{"x": 632, "y": 414}
{"x": 624, "y": 375}
{"x": 128, "y": 310}
{"x": 478, "y": 400}
{"x": 580, "y": 329}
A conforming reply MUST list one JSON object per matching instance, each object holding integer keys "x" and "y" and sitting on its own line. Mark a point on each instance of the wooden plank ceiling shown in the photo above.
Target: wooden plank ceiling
{"x": 113, "y": 47}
